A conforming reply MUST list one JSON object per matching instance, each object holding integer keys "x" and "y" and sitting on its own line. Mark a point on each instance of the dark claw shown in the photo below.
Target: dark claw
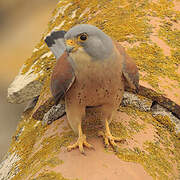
{"x": 83, "y": 153}
{"x": 106, "y": 146}
{"x": 115, "y": 149}
{"x": 123, "y": 141}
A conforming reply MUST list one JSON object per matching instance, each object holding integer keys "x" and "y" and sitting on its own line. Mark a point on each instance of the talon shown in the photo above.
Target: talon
{"x": 88, "y": 145}
{"x": 83, "y": 153}
{"x": 106, "y": 142}
{"x": 109, "y": 139}
{"x": 79, "y": 144}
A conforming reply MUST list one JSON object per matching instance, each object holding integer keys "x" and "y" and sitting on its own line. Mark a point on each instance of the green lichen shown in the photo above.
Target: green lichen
{"x": 33, "y": 160}
{"x": 162, "y": 8}
{"x": 132, "y": 26}
{"x": 166, "y": 121}
{"x": 152, "y": 159}
{"x": 127, "y": 15}
{"x": 35, "y": 56}
{"x": 50, "y": 176}
{"x": 135, "y": 126}
{"x": 161, "y": 155}
{"x": 157, "y": 156}
{"x": 171, "y": 37}
{"x": 150, "y": 59}
{"x": 125, "y": 21}
{"x": 146, "y": 100}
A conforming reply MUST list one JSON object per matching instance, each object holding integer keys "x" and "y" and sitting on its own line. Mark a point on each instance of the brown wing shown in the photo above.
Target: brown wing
{"x": 130, "y": 70}
{"x": 62, "y": 77}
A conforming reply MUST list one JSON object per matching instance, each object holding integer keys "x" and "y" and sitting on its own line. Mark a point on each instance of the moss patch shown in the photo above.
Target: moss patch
{"x": 159, "y": 156}
{"x": 50, "y": 176}
{"x": 33, "y": 160}
{"x": 165, "y": 120}
{"x": 124, "y": 21}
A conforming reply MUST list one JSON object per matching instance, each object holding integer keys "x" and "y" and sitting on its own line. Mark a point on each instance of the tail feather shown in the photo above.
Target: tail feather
{"x": 56, "y": 43}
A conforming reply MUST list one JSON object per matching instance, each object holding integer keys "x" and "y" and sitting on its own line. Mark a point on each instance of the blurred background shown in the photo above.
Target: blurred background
{"x": 21, "y": 25}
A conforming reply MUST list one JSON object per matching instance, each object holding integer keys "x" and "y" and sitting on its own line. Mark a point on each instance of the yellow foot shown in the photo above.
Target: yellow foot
{"x": 110, "y": 140}
{"x": 80, "y": 143}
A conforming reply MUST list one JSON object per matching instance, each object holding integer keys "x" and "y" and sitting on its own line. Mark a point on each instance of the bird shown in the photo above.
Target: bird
{"x": 91, "y": 69}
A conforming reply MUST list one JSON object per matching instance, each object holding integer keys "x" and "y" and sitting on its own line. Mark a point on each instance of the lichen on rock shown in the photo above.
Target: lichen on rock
{"x": 152, "y": 150}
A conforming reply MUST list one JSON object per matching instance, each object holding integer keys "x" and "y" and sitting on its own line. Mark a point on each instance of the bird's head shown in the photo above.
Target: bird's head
{"x": 90, "y": 39}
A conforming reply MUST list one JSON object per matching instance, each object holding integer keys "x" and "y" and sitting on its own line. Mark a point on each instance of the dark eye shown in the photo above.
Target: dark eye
{"x": 83, "y": 37}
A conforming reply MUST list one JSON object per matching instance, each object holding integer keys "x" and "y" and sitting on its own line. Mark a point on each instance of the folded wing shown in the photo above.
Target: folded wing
{"x": 129, "y": 69}
{"x": 62, "y": 77}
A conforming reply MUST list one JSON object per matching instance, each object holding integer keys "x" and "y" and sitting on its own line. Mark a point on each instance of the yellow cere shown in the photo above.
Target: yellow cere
{"x": 73, "y": 43}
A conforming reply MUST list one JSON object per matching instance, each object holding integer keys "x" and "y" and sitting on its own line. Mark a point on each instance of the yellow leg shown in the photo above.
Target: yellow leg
{"x": 80, "y": 142}
{"x": 108, "y": 138}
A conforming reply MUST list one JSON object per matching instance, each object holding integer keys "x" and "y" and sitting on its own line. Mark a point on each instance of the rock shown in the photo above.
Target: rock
{"x": 31, "y": 104}
{"x": 151, "y": 151}
{"x": 7, "y": 165}
{"x": 56, "y": 112}
{"x": 162, "y": 114}
{"x": 160, "y": 99}
{"x": 44, "y": 104}
{"x": 142, "y": 103}
{"x": 24, "y": 87}
{"x": 29, "y": 82}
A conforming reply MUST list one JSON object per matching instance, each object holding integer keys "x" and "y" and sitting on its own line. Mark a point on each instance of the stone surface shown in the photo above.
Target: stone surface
{"x": 160, "y": 99}
{"x": 53, "y": 114}
{"x": 31, "y": 104}
{"x": 24, "y": 87}
{"x": 152, "y": 145}
{"x": 7, "y": 165}
{"x": 29, "y": 82}
{"x": 139, "y": 102}
{"x": 159, "y": 110}
{"x": 44, "y": 103}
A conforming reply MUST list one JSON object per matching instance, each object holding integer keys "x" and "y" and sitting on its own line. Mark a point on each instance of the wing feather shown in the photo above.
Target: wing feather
{"x": 129, "y": 69}
{"x": 62, "y": 77}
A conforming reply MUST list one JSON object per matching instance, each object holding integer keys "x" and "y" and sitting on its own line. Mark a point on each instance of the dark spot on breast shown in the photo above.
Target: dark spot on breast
{"x": 79, "y": 95}
{"x": 107, "y": 92}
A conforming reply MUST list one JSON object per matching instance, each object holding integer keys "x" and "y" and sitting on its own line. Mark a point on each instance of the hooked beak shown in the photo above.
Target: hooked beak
{"x": 69, "y": 48}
